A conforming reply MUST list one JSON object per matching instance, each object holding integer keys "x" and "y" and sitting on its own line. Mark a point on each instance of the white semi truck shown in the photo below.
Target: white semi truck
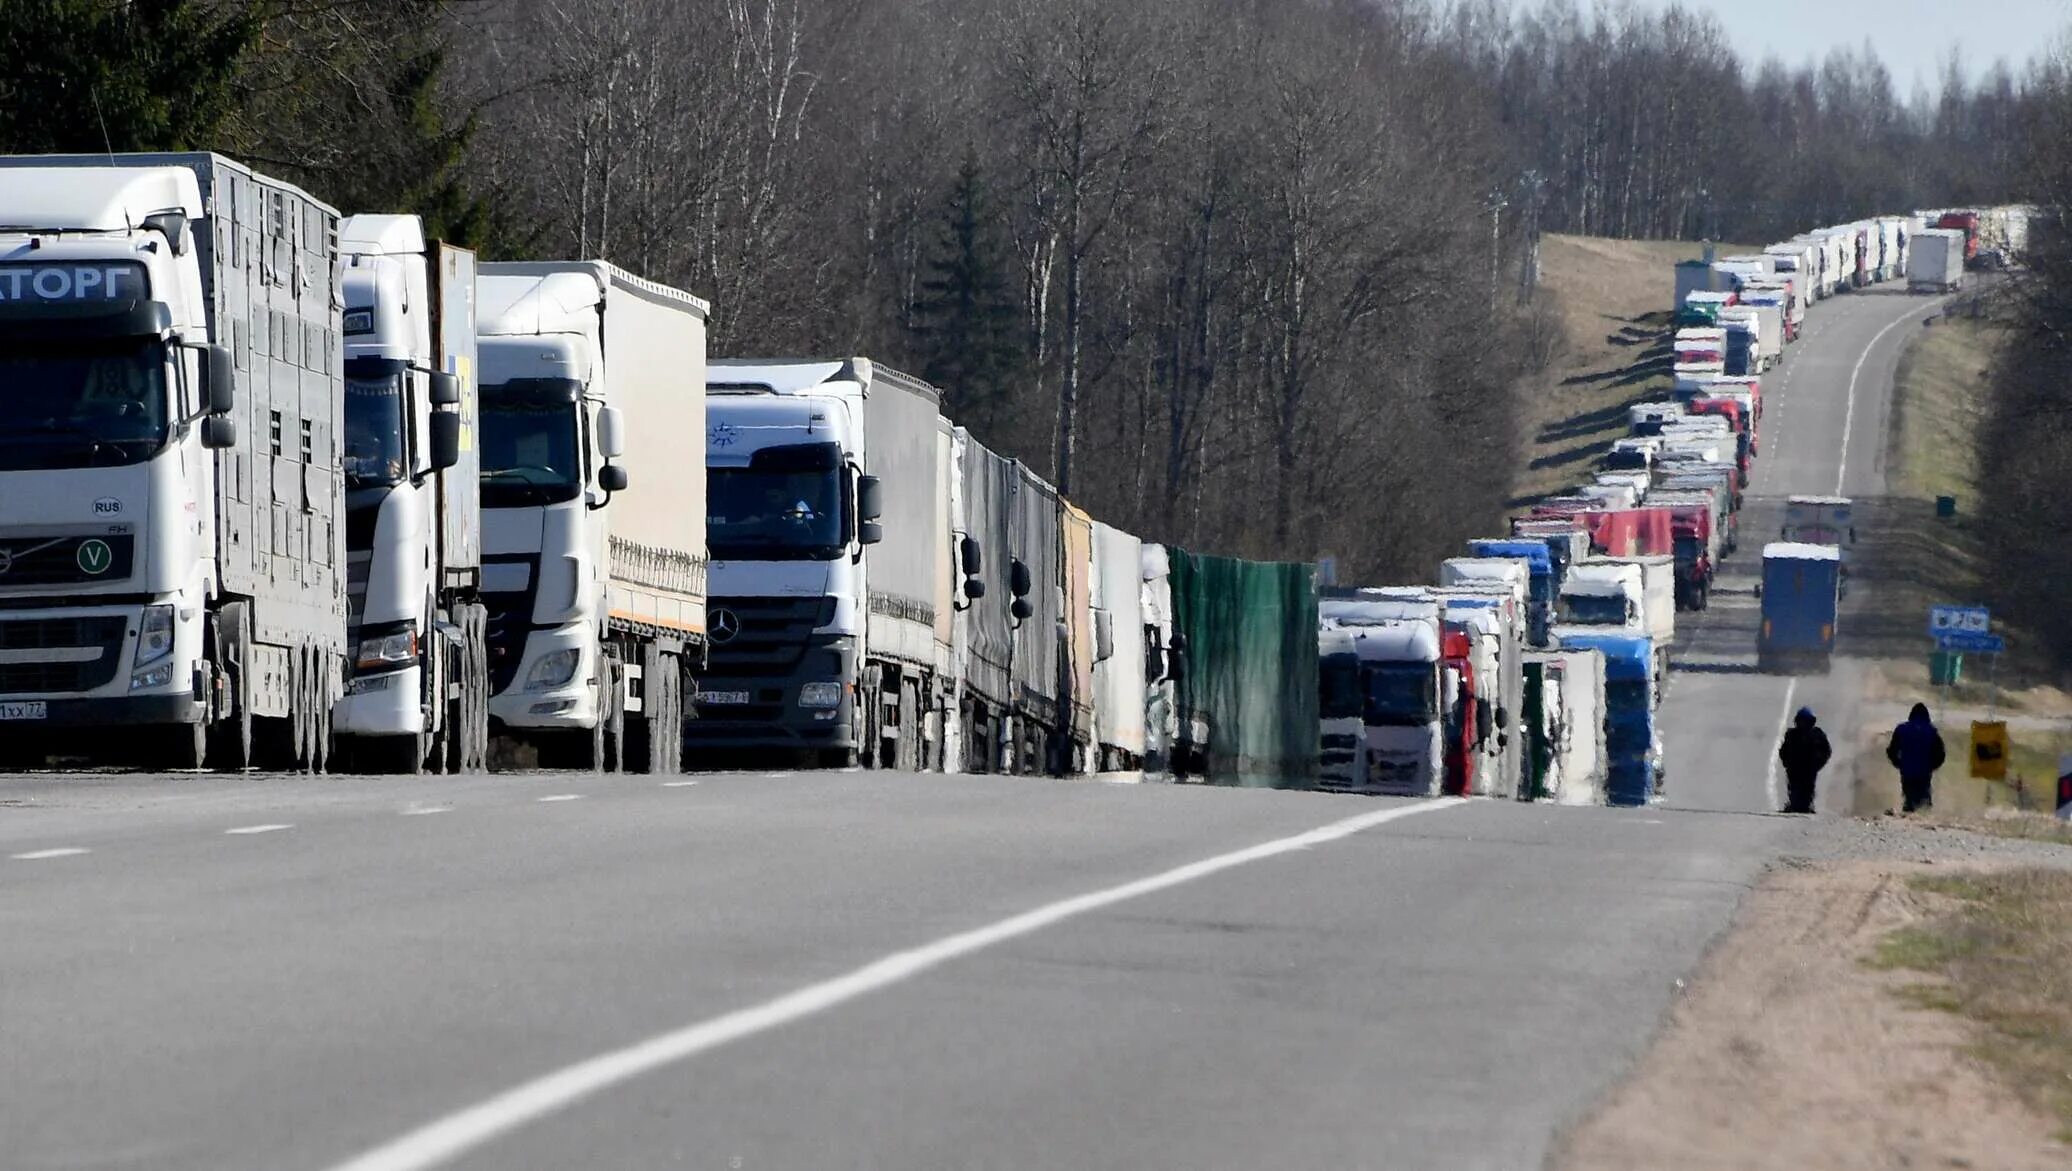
{"x": 171, "y": 516}
{"x": 593, "y": 569}
{"x": 417, "y": 691}
{"x": 832, "y": 566}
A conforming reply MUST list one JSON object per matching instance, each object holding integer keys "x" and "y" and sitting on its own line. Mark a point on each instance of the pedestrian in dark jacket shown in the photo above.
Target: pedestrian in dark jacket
{"x": 1916, "y": 750}
{"x": 1804, "y": 752}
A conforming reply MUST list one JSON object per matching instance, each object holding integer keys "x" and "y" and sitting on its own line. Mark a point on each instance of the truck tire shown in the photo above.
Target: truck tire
{"x": 184, "y": 747}
{"x": 467, "y": 723}
{"x": 230, "y": 738}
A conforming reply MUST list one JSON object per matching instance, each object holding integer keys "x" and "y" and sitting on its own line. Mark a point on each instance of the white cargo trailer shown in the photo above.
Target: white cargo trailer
{"x": 1935, "y": 261}
{"x": 593, "y": 519}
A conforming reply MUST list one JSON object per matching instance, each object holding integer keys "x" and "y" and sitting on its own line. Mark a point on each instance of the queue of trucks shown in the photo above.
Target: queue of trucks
{"x": 282, "y": 484}
{"x": 289, "y": 489}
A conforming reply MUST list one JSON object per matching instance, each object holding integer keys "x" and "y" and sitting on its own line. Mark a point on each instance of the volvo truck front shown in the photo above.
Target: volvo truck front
{"x": 171, "y": 552}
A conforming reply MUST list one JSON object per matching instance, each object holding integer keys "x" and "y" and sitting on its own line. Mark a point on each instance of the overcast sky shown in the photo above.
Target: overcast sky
{"x": 1911, "y": 36}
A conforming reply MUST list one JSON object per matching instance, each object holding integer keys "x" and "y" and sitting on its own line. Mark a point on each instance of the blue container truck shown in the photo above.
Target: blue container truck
{"x": 1801, "y": 589}
{"x": 1541, "y": 586}
{"x": 1629, "y": 712}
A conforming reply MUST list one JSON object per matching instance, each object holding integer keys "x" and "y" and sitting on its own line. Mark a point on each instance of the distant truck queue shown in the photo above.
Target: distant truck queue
{"x": 281, "y": 484}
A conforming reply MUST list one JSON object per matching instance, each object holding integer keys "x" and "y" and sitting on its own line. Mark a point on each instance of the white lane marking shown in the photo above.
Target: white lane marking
{"x": 1849, "y": 414}
{"x": 678, "y": 784}
{"x": 40, "y": 855}
{"x": 563, "y": 797}
{"x": 447, "y": 1138}
{"x": 1784, "y": 723}
{"x": 427, "y": 810}
{"x": 257, "y": 829}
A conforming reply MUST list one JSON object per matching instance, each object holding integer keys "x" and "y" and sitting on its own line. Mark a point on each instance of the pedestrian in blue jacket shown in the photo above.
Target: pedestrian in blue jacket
{"x": 1916, "y": 750}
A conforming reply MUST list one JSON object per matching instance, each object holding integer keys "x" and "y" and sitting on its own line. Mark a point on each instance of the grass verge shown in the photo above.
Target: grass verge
{"x": 2004, "y": 955}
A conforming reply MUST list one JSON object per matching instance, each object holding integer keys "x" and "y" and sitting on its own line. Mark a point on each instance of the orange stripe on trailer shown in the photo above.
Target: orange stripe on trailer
{"x": 646, "y": 621}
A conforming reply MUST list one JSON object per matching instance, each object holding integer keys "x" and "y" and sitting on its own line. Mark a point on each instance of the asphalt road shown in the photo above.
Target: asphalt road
{"x": 878, "y": 970}
{"x": 1723, "y": 720}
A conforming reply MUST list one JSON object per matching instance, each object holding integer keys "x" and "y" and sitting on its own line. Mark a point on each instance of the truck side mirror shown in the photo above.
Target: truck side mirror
{"x": 221, "y": 392}
{"x": 219, "y": 432}
{"x": 445, "y": 390}
{"x": 971, "y": 557}
{"x": 1503, "y": 716}
{"x": 1104, "y": 636}
{"x": 610, "y": 477}
{"x": 611, "y": 434}
{"x": 870, "y": 498}
{"x": 1017, "y": 578}
{"x": 974, "y": 589}
{"x": 446, "y": 442}
{"x": 1021, "y": 609}
{"x": 1485, "y": 722}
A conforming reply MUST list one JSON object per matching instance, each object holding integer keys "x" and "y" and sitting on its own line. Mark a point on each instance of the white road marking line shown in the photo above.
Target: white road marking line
{"x": 1849, "y": 413}
{"x": 257, "y": 829}
{"x": 456, "y": 1134}
{"x": 427, "y": 810}
{"x": 563, "y": 797}
{"x": 40, "y": 855}
{"x": 678, "y": 784}
{"x": 1770, "y": 776}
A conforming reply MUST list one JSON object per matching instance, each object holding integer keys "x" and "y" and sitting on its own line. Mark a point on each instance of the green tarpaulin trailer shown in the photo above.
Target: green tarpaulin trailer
{"x": 1247, "y": 696}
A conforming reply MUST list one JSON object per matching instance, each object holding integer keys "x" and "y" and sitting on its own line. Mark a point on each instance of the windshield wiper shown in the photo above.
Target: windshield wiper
{"x": 93, "y": 442}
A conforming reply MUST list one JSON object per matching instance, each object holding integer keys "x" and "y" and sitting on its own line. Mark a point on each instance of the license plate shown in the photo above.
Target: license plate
{"x": 34, "y": 709}
{"x": 722, "y": 697}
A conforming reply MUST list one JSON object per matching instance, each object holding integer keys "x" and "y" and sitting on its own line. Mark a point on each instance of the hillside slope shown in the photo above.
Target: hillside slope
{"x": 1611, "y": 300}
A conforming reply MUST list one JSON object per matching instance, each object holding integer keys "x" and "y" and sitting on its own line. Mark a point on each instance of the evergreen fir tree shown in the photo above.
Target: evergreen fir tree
{"x": 964, "y": 320}
{"x": 94, "y": 75}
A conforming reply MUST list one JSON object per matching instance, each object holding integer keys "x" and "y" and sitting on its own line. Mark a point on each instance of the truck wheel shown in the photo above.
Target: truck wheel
{"x": 186, "y": 747}
{"x": 230, "y": 747}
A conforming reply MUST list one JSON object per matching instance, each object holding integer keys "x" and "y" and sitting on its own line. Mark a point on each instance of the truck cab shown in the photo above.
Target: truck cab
{"x": 413, "y": 557}
{"x": 1341, "y": 734}
{"x": 1404, "y": 704}
{"x": 165, "y": 570}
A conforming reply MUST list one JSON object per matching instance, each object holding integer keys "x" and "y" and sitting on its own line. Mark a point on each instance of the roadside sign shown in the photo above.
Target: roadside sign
{"x": 1984, "y": 644}
{"x": 2065, "y": 787}
{"x": 1959, "y": 620}
{"x": 1989, "y": 750}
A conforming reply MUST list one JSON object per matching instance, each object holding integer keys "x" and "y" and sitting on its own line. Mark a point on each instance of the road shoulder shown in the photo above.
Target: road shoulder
{"x": 1790, "y": 1048}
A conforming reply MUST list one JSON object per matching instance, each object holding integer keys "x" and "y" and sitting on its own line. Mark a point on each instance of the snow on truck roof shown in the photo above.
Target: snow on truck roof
{"x": 1798, "y": 551}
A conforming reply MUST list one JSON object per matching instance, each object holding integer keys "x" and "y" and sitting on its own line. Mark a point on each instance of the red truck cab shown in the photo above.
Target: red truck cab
{"x": 1456, "y": 645}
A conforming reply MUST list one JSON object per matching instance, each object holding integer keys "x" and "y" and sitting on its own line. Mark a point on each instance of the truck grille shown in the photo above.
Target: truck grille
{"x": 356, "y": 567}
{"x": 750, "y": 638}
{"x": 103, "y": 634}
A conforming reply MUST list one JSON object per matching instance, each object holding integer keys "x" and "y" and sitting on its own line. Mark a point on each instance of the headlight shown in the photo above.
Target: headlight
{"x": 154, "y": 635}
{"x": 554, "y": 669}
{"x": 152, "y": 677}
{"x": 388, "y": 652}
{"x": 826, "y": 693}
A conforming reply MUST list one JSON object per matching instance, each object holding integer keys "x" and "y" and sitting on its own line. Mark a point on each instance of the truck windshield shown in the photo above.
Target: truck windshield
{"x": 773, "y": 514}
{"x": 1338, "y": 687}
{"x": 532, "y": 452}
{"x": 1593, "y": 610}
{"x": 374, "y": 455}
{"x": 82, "y": 404}
{"x": 1403, "y": 694}
{"x": 1689, "y": 548}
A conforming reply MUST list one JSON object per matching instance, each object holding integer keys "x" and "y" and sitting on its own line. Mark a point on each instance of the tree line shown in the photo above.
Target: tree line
{"x": 1247, "y": 275}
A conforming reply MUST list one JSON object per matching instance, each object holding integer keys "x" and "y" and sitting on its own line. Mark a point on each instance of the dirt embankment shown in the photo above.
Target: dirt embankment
{"x": 1796, "y": 1047}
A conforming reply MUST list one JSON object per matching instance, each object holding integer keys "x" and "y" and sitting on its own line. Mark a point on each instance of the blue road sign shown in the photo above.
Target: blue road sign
{"x": 1959, "y": 620}
{"x": 1984, "y": 644}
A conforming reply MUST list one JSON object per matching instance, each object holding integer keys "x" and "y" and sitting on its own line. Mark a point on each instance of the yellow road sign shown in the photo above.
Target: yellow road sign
{"x": 1989, "y": 750}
